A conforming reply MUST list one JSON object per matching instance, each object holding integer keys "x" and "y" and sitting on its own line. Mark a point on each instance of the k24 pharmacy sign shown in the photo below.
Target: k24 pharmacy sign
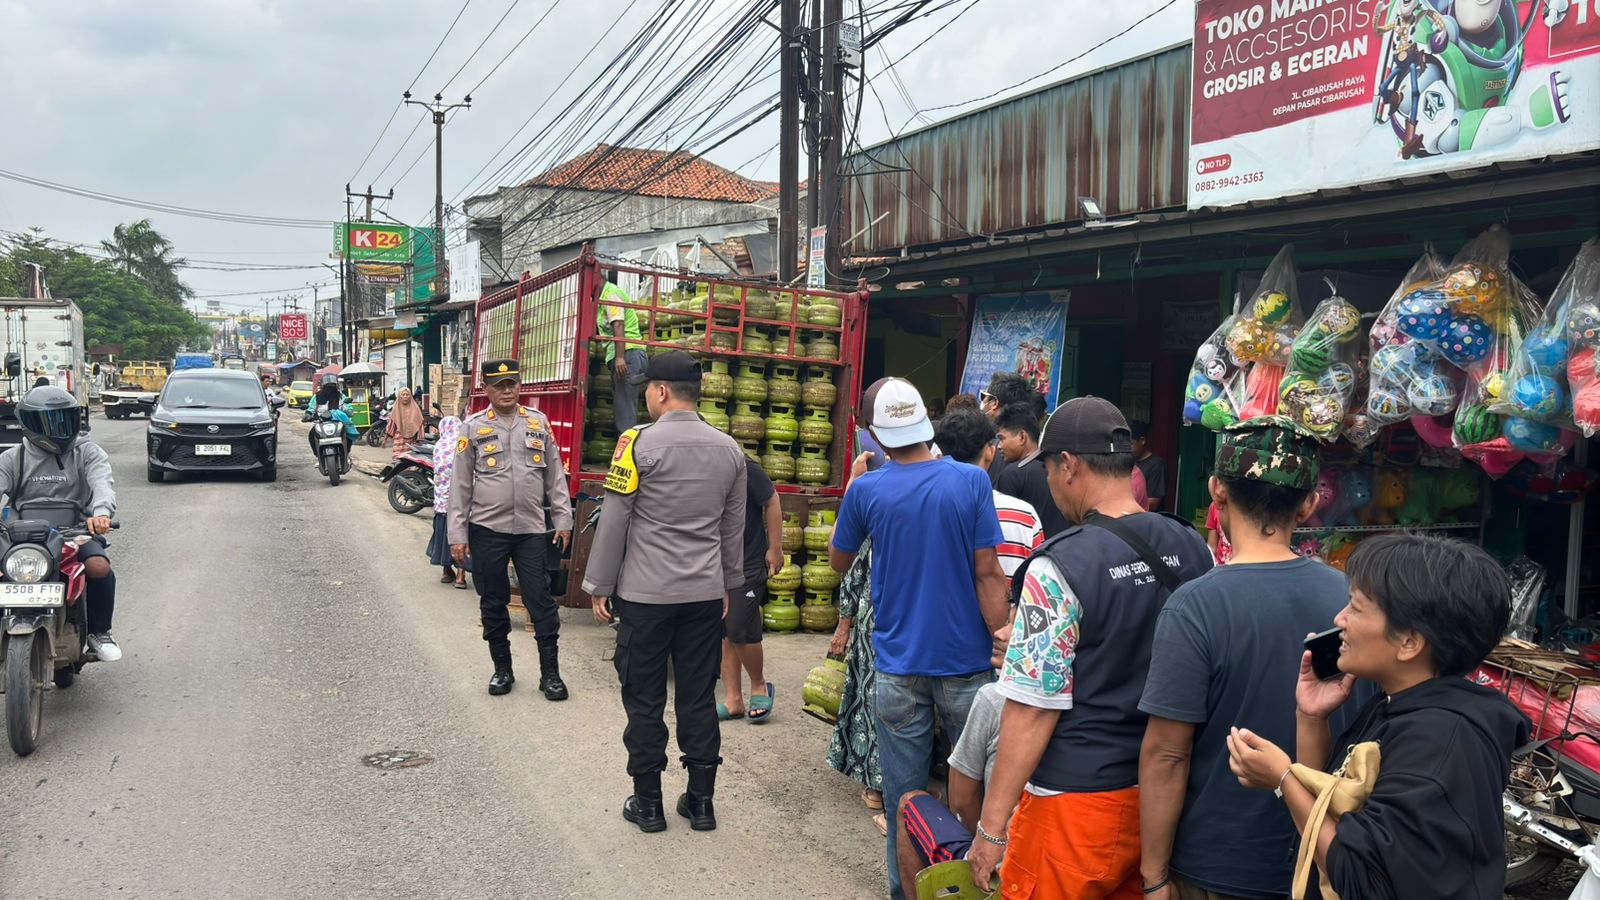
{"x": 1292, "y": 96}
{"x": 373, "y": 243}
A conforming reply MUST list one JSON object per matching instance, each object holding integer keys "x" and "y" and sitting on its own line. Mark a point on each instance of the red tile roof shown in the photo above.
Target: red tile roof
{"x": 652, "y": 173}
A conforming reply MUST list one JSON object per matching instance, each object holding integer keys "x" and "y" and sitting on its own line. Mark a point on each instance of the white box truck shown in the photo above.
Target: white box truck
{"x": 40, "y": 338}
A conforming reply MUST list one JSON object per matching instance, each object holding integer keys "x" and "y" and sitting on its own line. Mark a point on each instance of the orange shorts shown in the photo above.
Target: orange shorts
{"x": 1074, "y": 847}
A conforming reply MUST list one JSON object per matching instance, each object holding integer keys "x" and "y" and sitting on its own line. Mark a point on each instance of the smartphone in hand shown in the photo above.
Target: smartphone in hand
{"x": 864, "y": 441}
{"x": 1324, "y": 649}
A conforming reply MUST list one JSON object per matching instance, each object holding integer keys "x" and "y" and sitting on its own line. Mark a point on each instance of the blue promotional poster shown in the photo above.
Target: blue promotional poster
{"x": 1021, "y": 333}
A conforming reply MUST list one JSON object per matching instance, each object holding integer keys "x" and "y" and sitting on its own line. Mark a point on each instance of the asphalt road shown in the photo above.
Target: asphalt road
{"x": 277, "y": 634}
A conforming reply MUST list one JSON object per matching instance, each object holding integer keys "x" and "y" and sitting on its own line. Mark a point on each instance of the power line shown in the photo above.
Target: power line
{"x": 514, "y": 47}
{"x": 375, "y": 143}
{"x": 442, "y": 39}
{"x": 214, "y": 215}
{"x": 1056, "y": 68}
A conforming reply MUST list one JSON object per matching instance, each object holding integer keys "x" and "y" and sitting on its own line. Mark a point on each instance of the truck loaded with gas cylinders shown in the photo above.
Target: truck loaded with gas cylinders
{"x": 781, "y": 368}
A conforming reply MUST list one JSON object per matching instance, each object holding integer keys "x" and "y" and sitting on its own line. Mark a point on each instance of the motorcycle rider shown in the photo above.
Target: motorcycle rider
{"x": 54, "y": 463}
{"x": 331, "y": 397}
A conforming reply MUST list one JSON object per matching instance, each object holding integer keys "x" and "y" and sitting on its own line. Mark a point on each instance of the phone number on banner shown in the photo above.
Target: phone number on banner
{"x": 1229, "y": 181}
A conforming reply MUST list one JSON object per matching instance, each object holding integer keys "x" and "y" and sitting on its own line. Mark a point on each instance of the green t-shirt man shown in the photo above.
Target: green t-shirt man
{"x": 610, "y": 312}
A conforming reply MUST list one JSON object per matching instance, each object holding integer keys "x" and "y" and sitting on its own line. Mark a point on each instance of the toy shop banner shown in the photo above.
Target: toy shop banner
{"x": 1293, "y": 96}
{"x": 1022, "y": 333}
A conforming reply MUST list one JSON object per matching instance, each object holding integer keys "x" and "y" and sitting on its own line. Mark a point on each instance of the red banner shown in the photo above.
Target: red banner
{"x": 292, "y": 327}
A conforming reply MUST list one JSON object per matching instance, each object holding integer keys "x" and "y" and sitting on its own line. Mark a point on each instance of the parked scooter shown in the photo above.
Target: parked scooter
{"x": 378, "y": 431}
{"x": 43, "y": 612}
{"x": 410, "y": 479}
{"x": 328, "y": 442}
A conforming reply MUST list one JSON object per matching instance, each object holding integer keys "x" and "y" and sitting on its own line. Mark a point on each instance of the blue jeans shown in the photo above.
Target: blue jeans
{"x": 905, "y": 706}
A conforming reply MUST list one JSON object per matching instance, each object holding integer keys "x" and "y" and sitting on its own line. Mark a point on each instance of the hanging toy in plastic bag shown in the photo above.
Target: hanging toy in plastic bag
{"x": 1262, "y": 339}
{"x": 1398, "y": 360}
{"x": 1317, "y": 390}
{"x": 1475, "y": 289}
{"x": 1212, "y": 379}
{"x": 1555, "y": 369}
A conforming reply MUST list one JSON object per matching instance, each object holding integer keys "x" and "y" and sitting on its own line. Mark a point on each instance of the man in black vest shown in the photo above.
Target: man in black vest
{"x": 1062, "y": 805}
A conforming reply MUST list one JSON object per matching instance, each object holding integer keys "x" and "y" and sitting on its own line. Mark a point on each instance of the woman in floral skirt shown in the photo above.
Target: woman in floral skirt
{"x": 854, "y": 749}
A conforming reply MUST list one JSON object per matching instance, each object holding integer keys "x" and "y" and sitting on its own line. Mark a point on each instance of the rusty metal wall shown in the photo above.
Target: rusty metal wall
{"x": 1119, "y": 136}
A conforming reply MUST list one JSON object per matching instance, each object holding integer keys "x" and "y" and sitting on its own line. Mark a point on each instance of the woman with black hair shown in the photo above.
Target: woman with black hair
{"x": 1423, "y": 613}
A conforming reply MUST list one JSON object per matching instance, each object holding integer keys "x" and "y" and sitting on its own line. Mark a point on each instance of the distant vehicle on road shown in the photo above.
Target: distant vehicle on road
{"x": 191, "y": 361}
{"x": 213, "y": 420}
{"x": 232, "y": 361}
{"x": 42, "y": 337}
{"x": 138, "y": 385}
{"x": 300, "y": 393}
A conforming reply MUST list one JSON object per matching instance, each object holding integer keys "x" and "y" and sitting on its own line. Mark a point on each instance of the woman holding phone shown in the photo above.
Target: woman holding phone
{"x": 1424, "y": 611}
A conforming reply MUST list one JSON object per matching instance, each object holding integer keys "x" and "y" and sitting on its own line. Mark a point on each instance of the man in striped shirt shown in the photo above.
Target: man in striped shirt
{"x": 968, "y": 436}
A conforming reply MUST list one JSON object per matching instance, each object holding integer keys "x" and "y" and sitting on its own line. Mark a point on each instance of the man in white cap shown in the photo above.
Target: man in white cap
{"x": 938, "y": 591}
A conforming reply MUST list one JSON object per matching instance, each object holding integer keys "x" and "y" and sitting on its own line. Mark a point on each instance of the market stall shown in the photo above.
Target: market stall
{"x": 363, "y": 382}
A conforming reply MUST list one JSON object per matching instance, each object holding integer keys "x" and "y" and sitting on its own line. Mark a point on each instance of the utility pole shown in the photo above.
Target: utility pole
{"x": 789, "y": 141}
{"x": 813, "y": 122}
{"x": 832, "y": 100}
{"x": 438, "y": 108}
{"x": 348, "y": 277}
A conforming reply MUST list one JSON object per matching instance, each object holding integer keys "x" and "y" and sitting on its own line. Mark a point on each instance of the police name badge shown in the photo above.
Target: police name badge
{"x": 623, "y": 477}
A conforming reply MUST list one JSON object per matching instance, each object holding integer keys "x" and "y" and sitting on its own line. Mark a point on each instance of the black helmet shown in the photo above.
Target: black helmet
{"x": 51, "y": 419}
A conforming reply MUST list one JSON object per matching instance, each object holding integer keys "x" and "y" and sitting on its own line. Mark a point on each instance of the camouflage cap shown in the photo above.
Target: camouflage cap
{"x": 1270, "y": 449}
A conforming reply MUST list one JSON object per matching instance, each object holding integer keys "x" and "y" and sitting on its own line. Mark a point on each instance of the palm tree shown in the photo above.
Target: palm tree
{"x": 140, "y": 250}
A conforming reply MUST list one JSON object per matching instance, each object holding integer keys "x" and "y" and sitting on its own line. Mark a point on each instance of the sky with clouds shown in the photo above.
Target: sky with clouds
{"x": 267, "y": 107}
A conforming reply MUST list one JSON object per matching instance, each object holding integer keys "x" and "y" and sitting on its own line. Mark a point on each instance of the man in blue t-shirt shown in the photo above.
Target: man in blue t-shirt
{"x": 938, "y": 591}
{"x": 1225, "y": 644}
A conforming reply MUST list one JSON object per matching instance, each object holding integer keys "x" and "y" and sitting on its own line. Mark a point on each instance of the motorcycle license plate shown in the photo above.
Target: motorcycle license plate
{"x": 213, "y": 449}
{"x": 50, "y": 593}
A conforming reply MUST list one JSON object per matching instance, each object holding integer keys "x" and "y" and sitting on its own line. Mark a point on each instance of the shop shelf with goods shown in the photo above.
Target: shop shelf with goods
{"x": 749, "y": 332}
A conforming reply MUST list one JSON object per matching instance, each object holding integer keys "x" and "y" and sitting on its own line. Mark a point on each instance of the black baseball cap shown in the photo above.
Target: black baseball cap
{"x": 674, "y": 365}
{"x": 1086, "y": 425}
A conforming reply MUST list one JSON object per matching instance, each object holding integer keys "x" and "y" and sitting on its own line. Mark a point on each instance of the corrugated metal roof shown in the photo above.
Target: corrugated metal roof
{"x": 1119, "y": 135}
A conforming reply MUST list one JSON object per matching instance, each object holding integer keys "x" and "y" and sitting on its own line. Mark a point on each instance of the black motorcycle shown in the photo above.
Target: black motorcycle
{"x": 410, "y": 479}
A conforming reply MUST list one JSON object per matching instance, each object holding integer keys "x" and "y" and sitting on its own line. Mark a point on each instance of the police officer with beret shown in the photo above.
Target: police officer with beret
{"x": 669, "y": 548}
{"x": 507, "y": 471}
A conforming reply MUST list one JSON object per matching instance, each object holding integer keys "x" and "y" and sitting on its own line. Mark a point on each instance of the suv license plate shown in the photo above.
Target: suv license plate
{"x": 49, "y": 593}
{"x": 213, "y": 449}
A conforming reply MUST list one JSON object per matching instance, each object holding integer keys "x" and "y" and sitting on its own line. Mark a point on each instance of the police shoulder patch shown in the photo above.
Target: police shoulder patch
{"x": 461, "y": 443}
{"x": 623, "y": 476}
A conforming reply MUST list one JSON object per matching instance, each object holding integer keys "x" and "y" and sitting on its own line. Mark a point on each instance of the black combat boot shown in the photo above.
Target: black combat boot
{"x": 695, "y": 804}
{"x": 645, "y": 808}
{"x": 550, "y": 683}
{"x": 502, "y": 679}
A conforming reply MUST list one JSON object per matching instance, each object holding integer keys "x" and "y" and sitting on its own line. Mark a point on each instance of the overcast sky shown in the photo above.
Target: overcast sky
{"x": 267, "y": 107}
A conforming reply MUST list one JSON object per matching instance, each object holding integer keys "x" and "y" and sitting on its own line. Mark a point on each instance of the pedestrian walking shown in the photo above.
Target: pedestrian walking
{"x": 1075, "y": 666}
{"x": 1423, "y": 613}
{"x": 853, "y": 749}
{"x": 405, "y": 423}
{"x": 937, "y": 587}
{"x": 763, "y": 557}
{"x": 1007, "y": 389}
{"x": 667, "y": 553}
{"x": 507, "y": 471}
{"x": 613, "y": 320}
{"x": 444, "y": 461}
{"x": 1226, "y": 643}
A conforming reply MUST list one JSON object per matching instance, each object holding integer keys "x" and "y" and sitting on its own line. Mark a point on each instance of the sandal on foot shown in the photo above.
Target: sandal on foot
{"x": 882, "y": 823}
{"x": 462, "y": 585}
{"x": 724, "y": 715}
{"x": 871, "y": 801}
{"x": 761, "y": 705}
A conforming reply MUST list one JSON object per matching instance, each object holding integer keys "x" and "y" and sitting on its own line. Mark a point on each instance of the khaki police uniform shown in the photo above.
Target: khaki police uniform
{"x": 509, "y": 491}
{"x": 669, "y": 547}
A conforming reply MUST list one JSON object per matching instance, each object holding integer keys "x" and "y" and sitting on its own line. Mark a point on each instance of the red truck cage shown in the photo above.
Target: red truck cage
{"x": 548, "y": 323}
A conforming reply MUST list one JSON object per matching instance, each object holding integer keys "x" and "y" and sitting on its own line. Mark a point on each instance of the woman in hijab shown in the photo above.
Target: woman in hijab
{"x": 444, "y": 460}
{"x": 405, "y": 422}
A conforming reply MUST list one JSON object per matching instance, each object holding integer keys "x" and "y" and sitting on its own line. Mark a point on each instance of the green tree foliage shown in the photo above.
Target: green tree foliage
{"x": 140, "y": 250}
{"x": 118, "y": 307}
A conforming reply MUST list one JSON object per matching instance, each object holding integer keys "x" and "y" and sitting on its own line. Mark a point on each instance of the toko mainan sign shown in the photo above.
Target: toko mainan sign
{"x": 1293, "y": 96}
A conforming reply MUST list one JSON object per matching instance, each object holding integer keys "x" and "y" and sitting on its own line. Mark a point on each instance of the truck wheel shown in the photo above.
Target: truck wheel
{"x": 155, "y": 475}
{"x": 27, "y": 670}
